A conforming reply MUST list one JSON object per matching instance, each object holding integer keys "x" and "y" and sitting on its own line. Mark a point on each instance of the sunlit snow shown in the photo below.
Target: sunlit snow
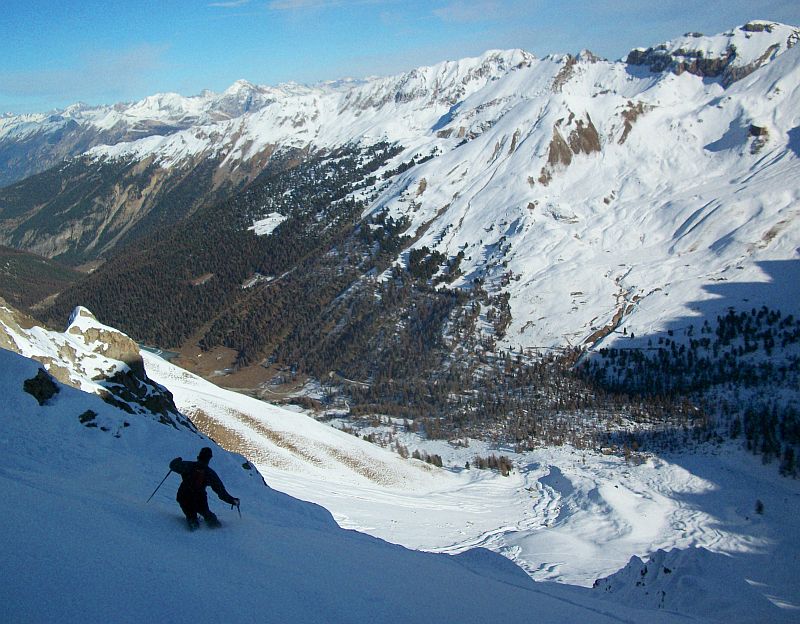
{"x": 265, "y": 226}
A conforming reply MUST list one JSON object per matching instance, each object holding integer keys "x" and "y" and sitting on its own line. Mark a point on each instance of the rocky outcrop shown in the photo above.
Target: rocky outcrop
{"x": 105, "y": 341}
{"x": 41, "y": 387}
{"x": 760, "y": 136}
{"x": 658, "y": 59}
{"x": 92, "y": 357}
{"x": 583, "y": 138}
{"x": 565, "y": 73}
{"x": 692, "y": 54}
{"x": 629, "y": 117}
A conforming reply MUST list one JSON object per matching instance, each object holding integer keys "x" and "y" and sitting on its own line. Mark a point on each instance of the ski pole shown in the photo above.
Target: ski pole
{"x": 239, "y": 509}
{"x": 159, "y": 485}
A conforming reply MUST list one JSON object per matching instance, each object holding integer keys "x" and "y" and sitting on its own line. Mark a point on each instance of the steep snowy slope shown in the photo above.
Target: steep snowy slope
{"x": 561, "y": 515}
{"x": 81, "y": 544}
{"x": 615, "y": 201}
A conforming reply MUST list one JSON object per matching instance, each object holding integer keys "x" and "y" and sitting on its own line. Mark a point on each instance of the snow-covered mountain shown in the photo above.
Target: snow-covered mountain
{"x": 80, "y": 469}
{"x": 34, "y": 142}
{"x": 600, "y": 196}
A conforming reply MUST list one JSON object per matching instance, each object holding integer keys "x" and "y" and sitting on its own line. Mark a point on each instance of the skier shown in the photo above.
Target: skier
{"x": 196, "y": 476}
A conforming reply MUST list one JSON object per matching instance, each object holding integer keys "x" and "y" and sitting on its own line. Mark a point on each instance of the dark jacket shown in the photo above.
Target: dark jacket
{"x": 196, "y": 477}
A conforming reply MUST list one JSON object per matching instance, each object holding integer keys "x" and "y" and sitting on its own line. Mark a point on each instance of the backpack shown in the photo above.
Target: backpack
{"x": 197, "y": 479}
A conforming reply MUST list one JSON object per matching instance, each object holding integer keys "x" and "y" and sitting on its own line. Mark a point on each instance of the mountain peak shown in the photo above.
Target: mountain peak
{"x": 239, "y": 86}
{"x": 730, "y": 55}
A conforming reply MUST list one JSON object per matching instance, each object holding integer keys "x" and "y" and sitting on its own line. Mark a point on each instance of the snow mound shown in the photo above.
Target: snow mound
{"x": 694, "y": 581}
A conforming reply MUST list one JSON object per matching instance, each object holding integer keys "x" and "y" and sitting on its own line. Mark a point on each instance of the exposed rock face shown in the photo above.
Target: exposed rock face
{"x": 727, "y": 64}
{"x": 760, "y": 135}
{"x": 41, "y": 387}
{"x": 559, "y": 152}
{"x": 629, "y": 116}
{"x": 583, "y": 138}
{"x": 732, "y": 73}
{"x": 566, "y": 72}
{"x": 692, "y": 61}
{"x": 91, "y": 357}
{"x": 757, "y": 27}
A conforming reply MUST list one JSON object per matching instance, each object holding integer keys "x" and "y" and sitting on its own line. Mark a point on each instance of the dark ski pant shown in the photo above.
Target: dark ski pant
{"x": 193, "y": 503}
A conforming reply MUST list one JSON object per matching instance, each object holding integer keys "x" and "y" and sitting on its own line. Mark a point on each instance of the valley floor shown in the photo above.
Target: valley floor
{"x": 573, "y": 517}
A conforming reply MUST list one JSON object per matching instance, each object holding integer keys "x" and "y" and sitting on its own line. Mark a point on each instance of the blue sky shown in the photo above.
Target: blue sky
{"x": 56, "y": 53}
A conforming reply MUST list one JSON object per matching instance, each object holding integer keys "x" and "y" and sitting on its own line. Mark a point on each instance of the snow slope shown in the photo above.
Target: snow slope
{"x": 80, "y": 543}
{"x": 562, "y": 515}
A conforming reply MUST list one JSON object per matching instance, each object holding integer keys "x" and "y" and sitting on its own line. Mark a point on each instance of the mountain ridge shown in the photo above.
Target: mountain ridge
{"x": 564, "y": 204}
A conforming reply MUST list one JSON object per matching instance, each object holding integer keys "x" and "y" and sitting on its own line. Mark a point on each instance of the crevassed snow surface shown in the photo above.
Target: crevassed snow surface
{"x": 81, "y": 544}
{"x": 564, "y": 515}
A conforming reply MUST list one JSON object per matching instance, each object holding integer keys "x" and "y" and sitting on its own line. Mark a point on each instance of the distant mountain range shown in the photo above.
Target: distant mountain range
{"x": 597, "y": 198}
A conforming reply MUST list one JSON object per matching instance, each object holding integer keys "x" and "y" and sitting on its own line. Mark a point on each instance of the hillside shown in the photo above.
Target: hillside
{"x": 80, "y": 470}
{"x": 27, "y": 279}
{"x": 454, "y": 240}
{"x": 82, "y": 526}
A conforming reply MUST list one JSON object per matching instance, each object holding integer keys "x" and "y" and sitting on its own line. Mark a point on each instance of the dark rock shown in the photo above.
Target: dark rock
{"x": 42, "y": 387}
{"x": 757, "y": 27}
{"x": 87, "y": 416}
